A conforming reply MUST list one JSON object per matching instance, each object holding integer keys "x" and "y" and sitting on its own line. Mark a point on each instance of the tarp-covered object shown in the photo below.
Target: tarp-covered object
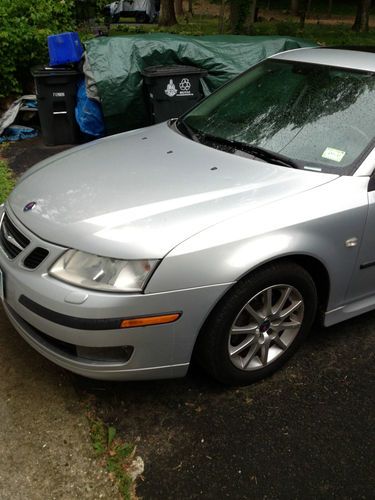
{"x": 88, "y": 113}
{"x": 116, "y": 64}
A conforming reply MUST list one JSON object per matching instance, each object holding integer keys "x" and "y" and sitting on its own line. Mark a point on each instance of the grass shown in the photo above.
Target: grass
{"x": 7, "y": 181}
{"x": 115, "y": 454}
{"x": 334, "y": 34}
{"x": 325, "y": 34}
{"x": 197, "y": 25}
{"x": 320, "y": 7}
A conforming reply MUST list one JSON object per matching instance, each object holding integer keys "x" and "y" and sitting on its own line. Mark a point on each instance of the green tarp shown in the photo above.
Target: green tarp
{"x": 115, "y": 64}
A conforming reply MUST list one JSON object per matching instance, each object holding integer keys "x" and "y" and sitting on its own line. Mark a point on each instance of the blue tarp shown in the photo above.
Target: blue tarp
{"x": 17, "y": 132}
{"x": 88, "y": 113}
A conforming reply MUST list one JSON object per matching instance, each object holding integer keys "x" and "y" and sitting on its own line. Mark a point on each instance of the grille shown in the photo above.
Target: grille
{"x": 35, "y": 258}
{"x": 11, "y": 239}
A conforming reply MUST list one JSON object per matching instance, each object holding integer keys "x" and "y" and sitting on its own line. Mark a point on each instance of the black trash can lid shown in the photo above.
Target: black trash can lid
{"x": 175, "y": 70}
{"x": 40, "y": 71}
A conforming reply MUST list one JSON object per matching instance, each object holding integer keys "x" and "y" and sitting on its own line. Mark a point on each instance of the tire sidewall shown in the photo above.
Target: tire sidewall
{"x": 227, "y": 311}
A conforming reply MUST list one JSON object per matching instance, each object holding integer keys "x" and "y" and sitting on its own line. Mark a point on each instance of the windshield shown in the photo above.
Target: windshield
{"x": 319, "y": 116}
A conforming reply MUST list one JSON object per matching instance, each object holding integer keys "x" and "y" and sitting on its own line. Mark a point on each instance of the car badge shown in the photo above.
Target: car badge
{"x": 29, "y": 206}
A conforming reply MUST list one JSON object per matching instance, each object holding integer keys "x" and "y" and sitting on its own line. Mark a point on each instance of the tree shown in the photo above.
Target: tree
{"x": 305, "y": 6}
{"x": 330, "y": 6}
{"x": 362, "y": 16}
{"x": 221, "y": 17}
{"x": 294, "y": 7}
{"x": 167, "y": 13}
{"x": 24, "y": 27}
{"x": 179, "y": 8}
{"x": 242, "y": 14}
{"x": 235, "y": 7}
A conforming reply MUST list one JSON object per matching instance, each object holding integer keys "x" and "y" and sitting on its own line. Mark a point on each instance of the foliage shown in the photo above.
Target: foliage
{"x": 239, "y": 12}
{"x": 7, "y": 181}
{"x": 339, "y": 7}
{"x": 335, "y": 34}
{"x": 325, "y": 34}
{"x": 116, "y": 454}
{"x": 24, "y": 27}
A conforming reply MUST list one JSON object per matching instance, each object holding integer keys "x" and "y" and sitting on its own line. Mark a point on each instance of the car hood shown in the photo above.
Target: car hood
{"x": 141, "y": 193}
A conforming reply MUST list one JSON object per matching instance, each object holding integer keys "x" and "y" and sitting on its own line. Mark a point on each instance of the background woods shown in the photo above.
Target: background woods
{"x": 25, "y": 25}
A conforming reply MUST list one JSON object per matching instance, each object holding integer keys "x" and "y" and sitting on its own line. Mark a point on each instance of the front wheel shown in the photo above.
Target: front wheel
{"x": 259, "y": 324}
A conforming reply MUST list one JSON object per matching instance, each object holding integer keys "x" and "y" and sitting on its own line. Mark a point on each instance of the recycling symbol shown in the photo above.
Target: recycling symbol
{"x": 185, "y": 84}
{"x": 171, "y": 89}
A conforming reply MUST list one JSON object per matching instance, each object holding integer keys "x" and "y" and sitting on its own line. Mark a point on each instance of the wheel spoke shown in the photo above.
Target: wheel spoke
{"x": 253, "y": 351}
{"x": 242, "y": 346}
{"x": 255, "y": 314}
{"x": 285, "y": 325}
{"x": 264, "y": 354}
{"x": 268, "y": 301}
{"x": 287, "y": 312}
{"x": 264, "y": 348}
{"x": 282, "y": 300}
{"x": 240, "y": 330}
{"x": 280, "y": 343}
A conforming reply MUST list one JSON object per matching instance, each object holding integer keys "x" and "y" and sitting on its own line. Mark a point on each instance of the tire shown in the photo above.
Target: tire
{"x": 259, "y": 324}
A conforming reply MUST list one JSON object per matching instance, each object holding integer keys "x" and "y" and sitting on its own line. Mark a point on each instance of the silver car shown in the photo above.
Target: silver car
{"x": 221, "y": 236}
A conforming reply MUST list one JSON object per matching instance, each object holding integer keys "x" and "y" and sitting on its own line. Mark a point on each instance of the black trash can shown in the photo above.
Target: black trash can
{"x": 56, "y": 90}
{"x": 172, "y": 90}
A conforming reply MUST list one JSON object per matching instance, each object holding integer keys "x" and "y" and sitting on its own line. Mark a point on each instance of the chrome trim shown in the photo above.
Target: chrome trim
{"x": 11, "y": 240}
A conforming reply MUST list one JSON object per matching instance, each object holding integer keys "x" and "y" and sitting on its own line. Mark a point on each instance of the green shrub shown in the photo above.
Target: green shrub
{"x": 7, "y": 181}
{"x": 24, "y": 27}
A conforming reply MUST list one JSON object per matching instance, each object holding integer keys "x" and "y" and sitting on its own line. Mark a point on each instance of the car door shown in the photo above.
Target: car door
{"x": 363, "y": 281}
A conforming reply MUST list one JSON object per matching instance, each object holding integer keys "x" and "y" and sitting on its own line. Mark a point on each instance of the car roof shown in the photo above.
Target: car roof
{"x": 363, "y": 61}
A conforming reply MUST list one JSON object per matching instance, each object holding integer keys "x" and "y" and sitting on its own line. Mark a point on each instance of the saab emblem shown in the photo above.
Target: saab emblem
{"x": 29, "y": 206}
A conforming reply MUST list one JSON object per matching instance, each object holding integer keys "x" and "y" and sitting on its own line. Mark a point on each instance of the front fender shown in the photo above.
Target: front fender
{"x": 316, "y": 223}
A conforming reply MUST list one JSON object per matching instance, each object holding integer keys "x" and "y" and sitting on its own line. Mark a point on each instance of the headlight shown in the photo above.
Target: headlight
{"x": 102, "y": 273}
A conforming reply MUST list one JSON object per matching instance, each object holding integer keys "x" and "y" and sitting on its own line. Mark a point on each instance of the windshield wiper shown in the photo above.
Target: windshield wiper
{"x": 258, "y": 152}
{"x": 183, "y": 127}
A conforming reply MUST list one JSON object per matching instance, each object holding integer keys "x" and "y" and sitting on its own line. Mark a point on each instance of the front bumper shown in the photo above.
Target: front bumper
{"x": 160, "y": 351}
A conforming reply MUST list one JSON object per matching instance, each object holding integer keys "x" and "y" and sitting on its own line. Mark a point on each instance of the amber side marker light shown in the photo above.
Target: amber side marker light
{"x": 150, "y": 320}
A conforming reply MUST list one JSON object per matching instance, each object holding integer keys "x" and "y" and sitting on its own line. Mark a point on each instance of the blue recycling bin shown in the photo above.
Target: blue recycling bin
{"x": 64, "y": 48}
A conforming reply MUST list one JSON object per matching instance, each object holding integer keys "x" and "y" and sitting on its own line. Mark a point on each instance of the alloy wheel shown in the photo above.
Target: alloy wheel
{"x": 265, "y": 327}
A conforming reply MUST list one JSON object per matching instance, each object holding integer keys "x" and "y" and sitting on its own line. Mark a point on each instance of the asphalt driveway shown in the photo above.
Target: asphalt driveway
{"x": 307, "y": 432}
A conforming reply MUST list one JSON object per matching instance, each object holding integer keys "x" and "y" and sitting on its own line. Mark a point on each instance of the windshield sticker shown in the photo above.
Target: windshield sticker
{"x": 333, "y": 154}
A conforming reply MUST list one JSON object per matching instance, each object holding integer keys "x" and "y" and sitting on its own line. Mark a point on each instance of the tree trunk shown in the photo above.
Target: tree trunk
{"x": 308, "y": 8}
{"x": 179, "y": 8}
{"x": 254, "y": 12}
{"x": 221, "y": 17}
{"x": 362, "y": 16}
{"x": 330, "y": 6}
{"x": 167, "y": 13}
{"x": 302, "y": 17}
{"x": 234, "y": 15}
{"x": 191, "y": 7}
{"x": 251, "y": 16}
{"x": 294, "y": 7}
